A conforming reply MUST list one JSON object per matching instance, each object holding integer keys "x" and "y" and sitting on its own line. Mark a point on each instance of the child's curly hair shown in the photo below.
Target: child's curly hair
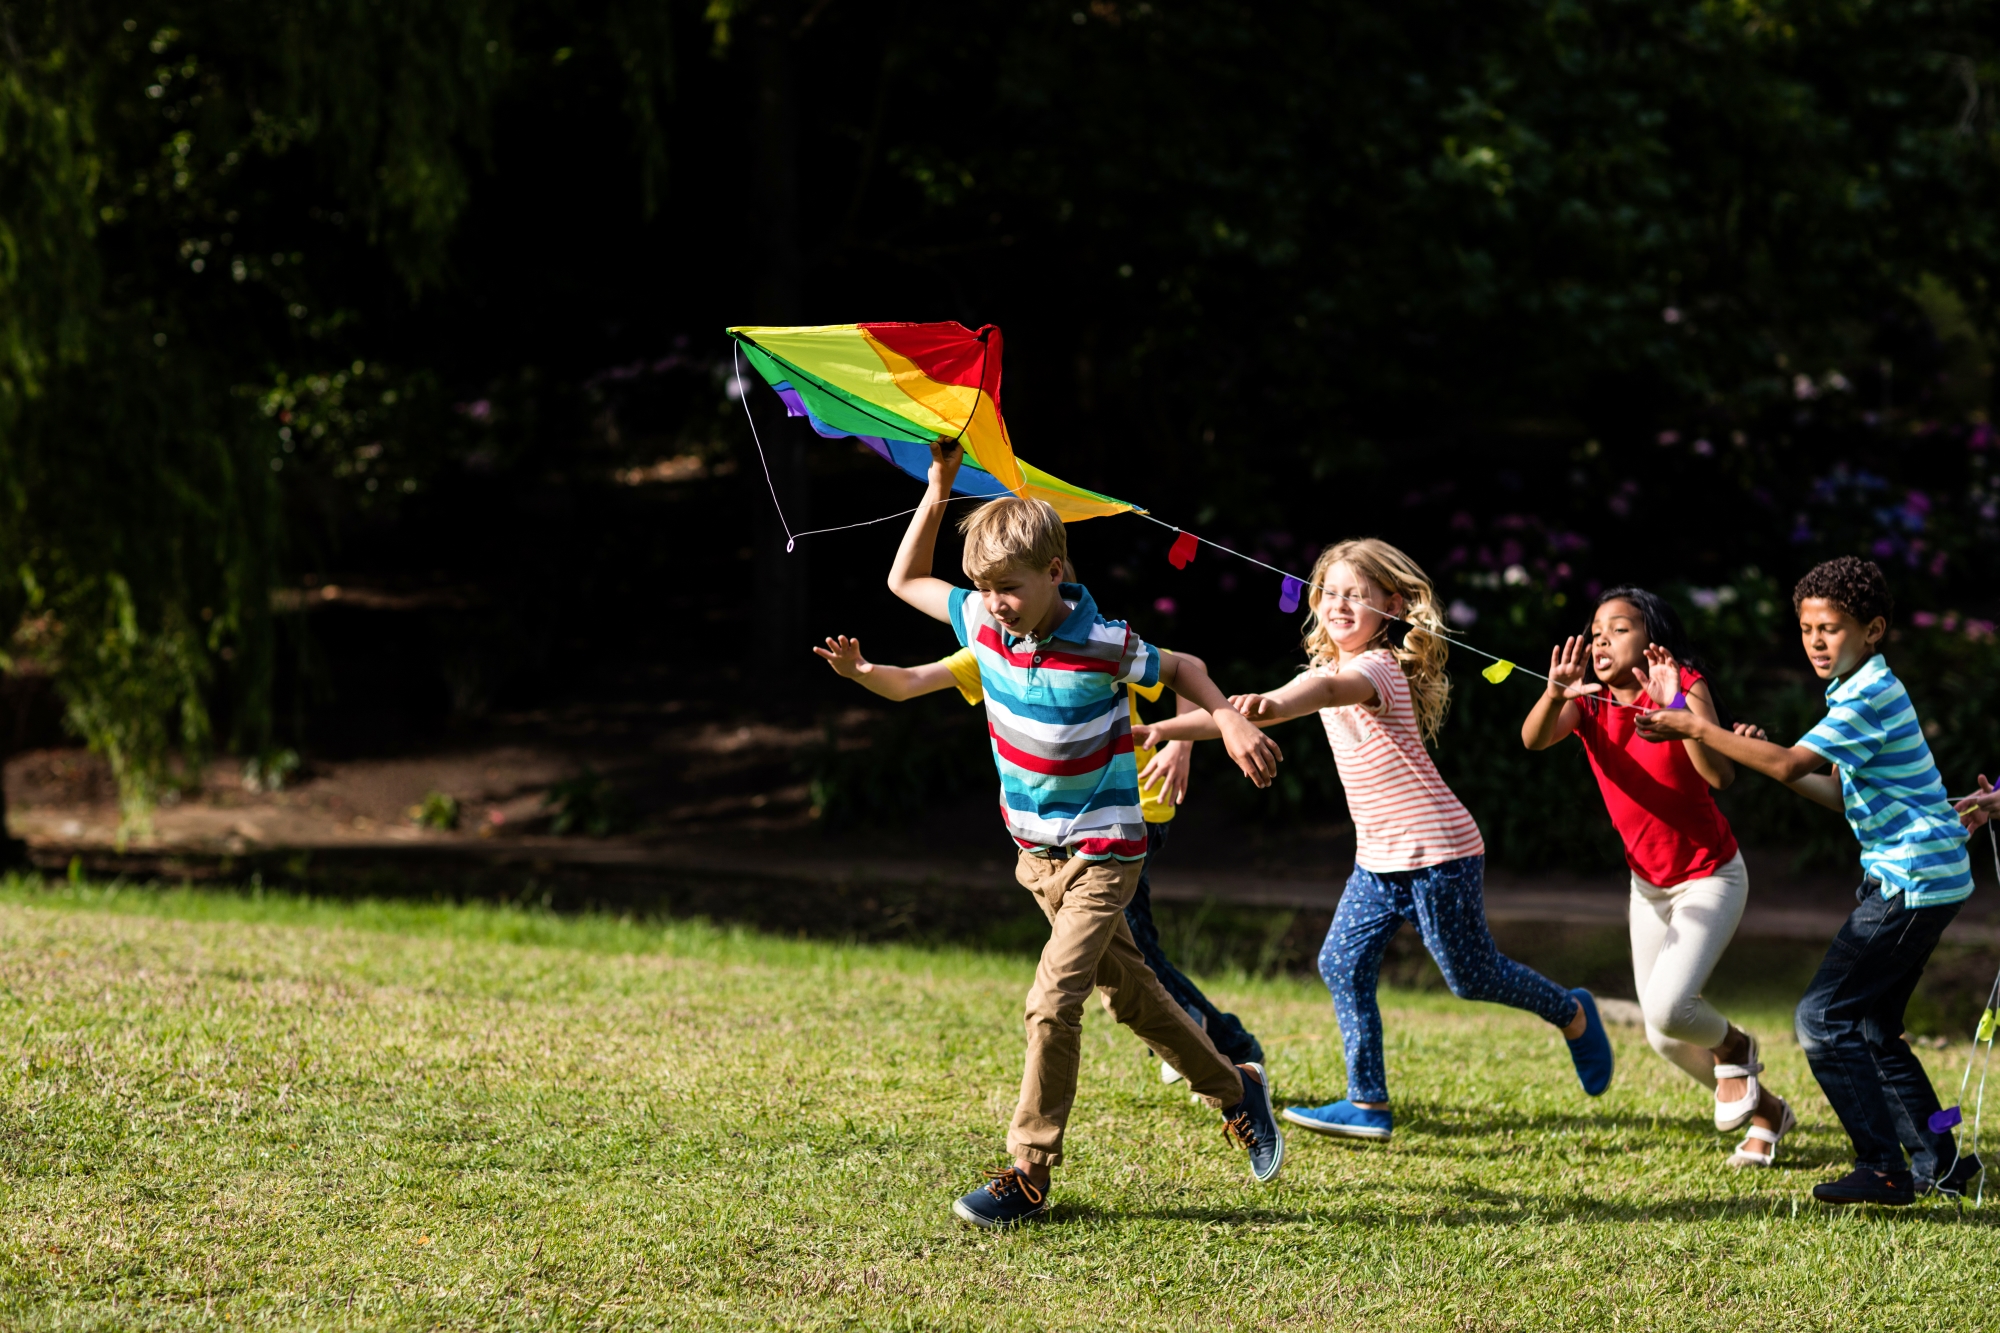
{"x": 1854, "y": 585}
{"x": 1419, "y": 643}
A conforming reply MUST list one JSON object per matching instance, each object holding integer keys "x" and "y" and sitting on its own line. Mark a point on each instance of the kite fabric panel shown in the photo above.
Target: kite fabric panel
{"x": 897, "y": 387}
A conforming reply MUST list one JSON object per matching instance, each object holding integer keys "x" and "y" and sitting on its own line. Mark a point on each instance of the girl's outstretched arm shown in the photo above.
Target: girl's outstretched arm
{"x": 1306, "y": 694}
{"x": 1554, "y": 714}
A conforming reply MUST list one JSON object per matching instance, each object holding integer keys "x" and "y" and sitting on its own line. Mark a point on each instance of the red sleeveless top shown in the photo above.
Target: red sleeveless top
{"x": 1662, "y": 808}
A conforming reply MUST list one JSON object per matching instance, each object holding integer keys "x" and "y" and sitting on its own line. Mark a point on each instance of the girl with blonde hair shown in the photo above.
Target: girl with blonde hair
{"x": 1377, "y": 679}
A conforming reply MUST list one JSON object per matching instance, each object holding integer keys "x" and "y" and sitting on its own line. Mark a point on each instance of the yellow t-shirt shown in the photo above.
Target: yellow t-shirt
{"x": 964, "y": 668}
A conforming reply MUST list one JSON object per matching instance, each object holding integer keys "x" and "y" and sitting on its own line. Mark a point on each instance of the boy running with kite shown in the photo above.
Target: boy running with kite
{"x": 1051, "y": 669}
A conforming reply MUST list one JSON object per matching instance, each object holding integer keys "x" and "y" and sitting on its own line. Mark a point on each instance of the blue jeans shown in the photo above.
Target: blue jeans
{"x": 1225, "y": 1030}
{"x": 1448, "y": 903}
{"x": 1850, "y": 1024}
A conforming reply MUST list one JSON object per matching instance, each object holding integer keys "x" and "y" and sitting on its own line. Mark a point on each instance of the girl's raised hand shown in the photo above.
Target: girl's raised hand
{"x": 844, "y": 656}
{"x": 1752, "y": 730}
{"x": 1662, "y": 673}
{"x": 1567, "y": 666}
{"x": 1256, "y": 707}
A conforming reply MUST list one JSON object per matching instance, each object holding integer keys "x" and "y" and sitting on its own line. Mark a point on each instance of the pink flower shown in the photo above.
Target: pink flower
{"x": 1164, "y": 605}
{"x": 1923, "y": 619}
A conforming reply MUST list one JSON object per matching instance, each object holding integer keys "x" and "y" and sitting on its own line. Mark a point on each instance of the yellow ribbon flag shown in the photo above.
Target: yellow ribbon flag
{"x": 1985, "y": 1027}
{"x": 1499, "y": 671}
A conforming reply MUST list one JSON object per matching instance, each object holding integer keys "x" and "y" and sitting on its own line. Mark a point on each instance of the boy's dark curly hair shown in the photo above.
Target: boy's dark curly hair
{"x": 1854, "y": 585}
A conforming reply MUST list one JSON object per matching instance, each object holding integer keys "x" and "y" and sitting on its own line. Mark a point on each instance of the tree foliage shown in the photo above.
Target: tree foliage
{"x": 1529, "y": 284}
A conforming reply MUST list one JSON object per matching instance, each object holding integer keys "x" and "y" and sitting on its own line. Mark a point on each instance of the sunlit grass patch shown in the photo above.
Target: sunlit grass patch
{"x": 225, "y": 1109}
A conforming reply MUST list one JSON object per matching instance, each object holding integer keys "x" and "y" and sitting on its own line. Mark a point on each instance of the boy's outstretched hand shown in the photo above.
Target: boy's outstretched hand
{"x": 844, "y": 656}
{"x": 1254, "y": 752}
{"x": 1979, "y": 807}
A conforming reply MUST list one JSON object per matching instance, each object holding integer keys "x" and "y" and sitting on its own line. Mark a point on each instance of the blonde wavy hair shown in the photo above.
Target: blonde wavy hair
{"x": 1425, "y": 647}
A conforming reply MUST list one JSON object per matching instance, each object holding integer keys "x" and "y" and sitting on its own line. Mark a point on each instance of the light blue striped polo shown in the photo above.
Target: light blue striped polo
{"x": 1910, "y": 837}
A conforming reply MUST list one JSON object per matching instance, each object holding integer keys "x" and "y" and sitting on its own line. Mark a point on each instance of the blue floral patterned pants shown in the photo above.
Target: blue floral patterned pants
{"x": 1448, "y": 905}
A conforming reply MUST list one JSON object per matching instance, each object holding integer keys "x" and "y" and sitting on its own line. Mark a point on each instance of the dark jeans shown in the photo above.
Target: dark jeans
{"x": 1850, "y": 1024}
{"x": 1225, "y": 1030}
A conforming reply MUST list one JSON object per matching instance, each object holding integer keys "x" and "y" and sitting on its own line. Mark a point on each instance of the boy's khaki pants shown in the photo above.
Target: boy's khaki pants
{"x": 1090, "y": 945}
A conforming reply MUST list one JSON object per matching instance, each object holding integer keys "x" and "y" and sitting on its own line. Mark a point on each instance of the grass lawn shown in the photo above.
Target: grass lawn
{"x": 228, "y": 1111}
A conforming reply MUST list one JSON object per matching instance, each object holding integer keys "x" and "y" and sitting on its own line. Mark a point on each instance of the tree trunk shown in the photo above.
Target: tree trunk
{"x": 13, "y": 710}
{"x": 781, "y": 577}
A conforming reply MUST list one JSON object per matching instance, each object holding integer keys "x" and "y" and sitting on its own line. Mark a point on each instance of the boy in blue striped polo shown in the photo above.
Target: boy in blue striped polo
{"x": 1055, "y": 674}
{"x": 1915, "y": 877}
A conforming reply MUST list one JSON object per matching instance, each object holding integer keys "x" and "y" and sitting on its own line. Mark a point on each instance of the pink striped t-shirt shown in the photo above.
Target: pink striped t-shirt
{"x": 1405, "y": 818}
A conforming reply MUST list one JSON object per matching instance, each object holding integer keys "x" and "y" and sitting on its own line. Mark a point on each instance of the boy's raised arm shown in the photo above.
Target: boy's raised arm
{"x": 910, "y": 574}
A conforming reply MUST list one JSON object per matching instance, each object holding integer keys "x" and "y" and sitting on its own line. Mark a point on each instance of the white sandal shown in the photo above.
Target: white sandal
{"x": 1731, "y": 1116}
{"x": 1786, "y": 1124}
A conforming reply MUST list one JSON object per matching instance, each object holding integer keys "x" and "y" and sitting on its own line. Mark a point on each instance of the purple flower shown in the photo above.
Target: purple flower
{"x": 1164, "y": 605}
{"x": 1704, "y": 448}
{"x": 1923, "y": 619}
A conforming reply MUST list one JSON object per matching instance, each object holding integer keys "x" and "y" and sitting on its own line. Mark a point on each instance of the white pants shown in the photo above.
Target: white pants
{"x": 1678, "y": 934}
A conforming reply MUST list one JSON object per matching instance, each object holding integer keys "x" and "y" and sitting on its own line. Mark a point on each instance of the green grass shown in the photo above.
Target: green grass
{"x": 227, "y": 1111}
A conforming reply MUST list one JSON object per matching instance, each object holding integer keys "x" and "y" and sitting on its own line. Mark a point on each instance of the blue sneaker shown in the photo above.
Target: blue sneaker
{"x": 1250, "y": 1124}
{"x": 1592, "y": 1051}
{"x": 1006, "y": 1198}
{"x": 1343, "y": 1120}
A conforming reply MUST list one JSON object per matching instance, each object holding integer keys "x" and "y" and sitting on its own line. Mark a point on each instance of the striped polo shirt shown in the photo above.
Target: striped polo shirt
{"x": 1910, "y": 838}
{"x": 1062, "y": 736}
{"x": 1405, "y": 818}
{"x": 1153, "y": 802}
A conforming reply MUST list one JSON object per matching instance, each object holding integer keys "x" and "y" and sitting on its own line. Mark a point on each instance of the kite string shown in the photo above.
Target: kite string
{"x": 1965, "y": 1079}
{"x": 1446, "y": 635}
{"x": 743, "y": 396}
{"x": 791, "y": 538}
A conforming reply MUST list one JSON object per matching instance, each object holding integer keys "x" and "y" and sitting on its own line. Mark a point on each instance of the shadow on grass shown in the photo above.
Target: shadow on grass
{"x": 1204, "y": 938}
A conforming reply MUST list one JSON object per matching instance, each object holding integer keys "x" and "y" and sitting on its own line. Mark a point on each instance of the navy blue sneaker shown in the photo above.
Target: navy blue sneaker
{"x": 1343, "y": 1120}
{"x": 1591, "y": 1052}
{"x": 1006, "y": 1198}
{"x": 1251, "y": 1125}
{"x": 1893, "y": 1189}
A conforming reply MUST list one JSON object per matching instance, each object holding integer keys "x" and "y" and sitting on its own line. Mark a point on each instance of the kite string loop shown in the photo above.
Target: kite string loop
{"x": 743, "y": 396}
{"x": 792, "y": 538}
{"x": 1965, "y": 1079}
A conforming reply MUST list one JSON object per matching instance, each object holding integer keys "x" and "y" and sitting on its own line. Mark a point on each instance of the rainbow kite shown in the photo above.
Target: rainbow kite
{"x": 897, "y": 387}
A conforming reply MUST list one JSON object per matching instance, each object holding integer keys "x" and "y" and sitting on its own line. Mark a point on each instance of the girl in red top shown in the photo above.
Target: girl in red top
{"x": 1688, "y": 881}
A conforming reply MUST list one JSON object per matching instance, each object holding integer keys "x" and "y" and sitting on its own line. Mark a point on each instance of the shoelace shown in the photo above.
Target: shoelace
{"x": 1239, "y": 1130}
{"x": 998, "y": 1183}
